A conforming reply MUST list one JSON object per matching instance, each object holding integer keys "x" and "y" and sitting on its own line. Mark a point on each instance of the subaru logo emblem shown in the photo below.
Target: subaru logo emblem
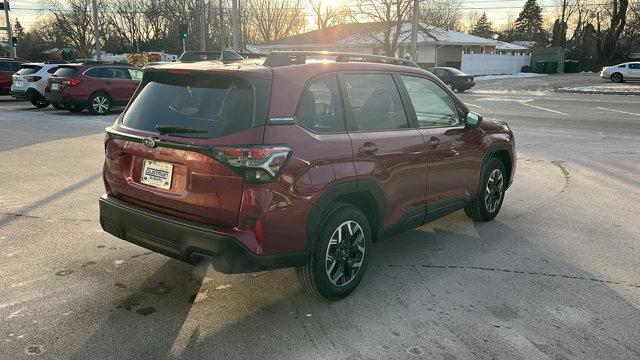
{"x": 149, "y": 142}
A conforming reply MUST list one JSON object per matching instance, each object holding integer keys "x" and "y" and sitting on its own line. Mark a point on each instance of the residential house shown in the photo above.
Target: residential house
{"x": 436, "y": 46}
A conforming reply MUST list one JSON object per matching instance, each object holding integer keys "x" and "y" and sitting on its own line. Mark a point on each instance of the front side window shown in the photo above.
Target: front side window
{"x": 320, "y": 109}
{"x": 433, "y": 106}
{"x": 374, "y": 102}
{"x": 135, "y": 74}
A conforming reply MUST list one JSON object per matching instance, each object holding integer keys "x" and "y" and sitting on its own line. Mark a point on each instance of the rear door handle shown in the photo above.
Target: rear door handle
{"x": 433, "y": 142}
{"x": 368, "y": 148}
{"x": 107, "y": 82}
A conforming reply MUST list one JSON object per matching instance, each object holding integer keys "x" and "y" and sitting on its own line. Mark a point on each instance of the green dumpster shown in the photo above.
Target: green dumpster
{"x": 571, "y": 66}
{"x": 552, "y": 67}
{"x": 541, "y": 67}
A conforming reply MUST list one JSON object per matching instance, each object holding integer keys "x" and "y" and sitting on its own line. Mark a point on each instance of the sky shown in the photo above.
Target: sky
{"x": 27, "y": 11}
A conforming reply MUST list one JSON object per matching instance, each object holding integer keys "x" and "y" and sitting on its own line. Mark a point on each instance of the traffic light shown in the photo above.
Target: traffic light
{"x": 184, "y": 30}
{"x": 14, "y": 42}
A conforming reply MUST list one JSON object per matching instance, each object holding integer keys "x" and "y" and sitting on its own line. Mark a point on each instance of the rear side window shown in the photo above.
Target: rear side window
{"x": 28, "y": 69}
{"x": 374, "y": 102}
{"x": 52, "y": 70}
{"x": 96, "y": 72}
{"x": 9, "y": 66}
{"x": 65, "y": 71}
{"x": 205, "y": 106}
{"x": 320, "y": 109}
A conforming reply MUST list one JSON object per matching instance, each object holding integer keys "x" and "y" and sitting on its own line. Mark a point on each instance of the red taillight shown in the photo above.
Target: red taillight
{"x": 256, "y": 163}
{"x": 72, "y": 82}
{"x": 32, "y": 78}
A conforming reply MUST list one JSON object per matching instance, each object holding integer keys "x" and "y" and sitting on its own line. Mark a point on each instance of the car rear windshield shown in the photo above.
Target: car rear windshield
{"x": 65, "y": 71}
{"x": 205, "y": 106}
{"x": 28, "y": 69}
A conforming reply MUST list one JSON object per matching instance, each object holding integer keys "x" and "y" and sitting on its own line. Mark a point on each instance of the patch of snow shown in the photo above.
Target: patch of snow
{"x": 500, "y": 77}
{"x": 602, "y": 89}
{"x": 508, "y": 92}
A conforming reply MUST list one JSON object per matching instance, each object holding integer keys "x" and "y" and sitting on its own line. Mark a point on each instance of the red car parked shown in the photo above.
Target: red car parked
{"x": 8, "y": 66}
{"x": 94, "y": 85}
{"x": 296, "y": 163}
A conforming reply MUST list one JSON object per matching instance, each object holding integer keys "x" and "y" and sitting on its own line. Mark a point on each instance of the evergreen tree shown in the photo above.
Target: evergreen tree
{"x": 483, "y": 28}
{"x": 18, "y": 30}
{"x": 529, "y": 23}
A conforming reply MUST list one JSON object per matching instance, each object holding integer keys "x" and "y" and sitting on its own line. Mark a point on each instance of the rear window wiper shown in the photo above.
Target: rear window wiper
{"x": 171, "y": 129}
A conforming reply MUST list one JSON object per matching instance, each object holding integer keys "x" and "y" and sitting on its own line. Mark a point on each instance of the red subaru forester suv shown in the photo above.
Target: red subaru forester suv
{"x": 96, "y": 85}
{"x": 296, "y": 162}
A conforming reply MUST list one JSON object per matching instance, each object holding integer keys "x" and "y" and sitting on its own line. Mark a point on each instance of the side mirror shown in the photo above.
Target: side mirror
{"x": 473, "y": 120}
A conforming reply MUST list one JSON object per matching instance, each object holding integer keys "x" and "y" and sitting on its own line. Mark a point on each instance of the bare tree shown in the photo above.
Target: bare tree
{"x": 385, "y": 19}
{"x": 73, "y": 18}
{"x": 328, "y": 15}
{"x": 275, "y": 19}
{"x": 444, "y": 14}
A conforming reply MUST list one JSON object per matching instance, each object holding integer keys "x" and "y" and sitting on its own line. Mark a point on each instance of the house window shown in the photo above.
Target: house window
{"x": 467, "y": 49}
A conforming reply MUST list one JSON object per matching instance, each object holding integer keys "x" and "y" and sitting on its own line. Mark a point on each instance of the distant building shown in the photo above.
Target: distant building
{"x": 512, "y": 49}
{"x": 436, "y": 46}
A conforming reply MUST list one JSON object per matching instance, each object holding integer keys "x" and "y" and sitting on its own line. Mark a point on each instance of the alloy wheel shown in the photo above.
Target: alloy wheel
{"x": 345, "y": 253}
{"x": 494, "y": 190}
{"x": 100, "y": 104}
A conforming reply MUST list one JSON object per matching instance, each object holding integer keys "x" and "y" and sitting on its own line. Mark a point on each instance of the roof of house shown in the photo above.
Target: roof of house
{"x": 367, "y": 33}
{"x": 510, "y": 46}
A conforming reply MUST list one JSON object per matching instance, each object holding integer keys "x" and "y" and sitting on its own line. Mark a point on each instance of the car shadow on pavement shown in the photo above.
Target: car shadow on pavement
{"x": 449, "y": 289}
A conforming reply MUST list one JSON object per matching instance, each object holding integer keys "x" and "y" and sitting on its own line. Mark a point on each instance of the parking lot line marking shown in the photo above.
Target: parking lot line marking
{"x": 475, "y": 106}
{"x": 619, "y": 111}
{"x": 541, "y": 108}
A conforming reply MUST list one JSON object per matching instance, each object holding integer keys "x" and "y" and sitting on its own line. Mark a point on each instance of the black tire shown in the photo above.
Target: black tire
{"x": 461, "y": 90}
{"x": 485, "y": 206}
{"x": 314, "y": 275}
{"x": 99, "y": 103}
{"x": 617, "y": 78}
{"x": 74, "y": 108}
{"x": 58, "y": 106}
{"x": 38, "y": 101}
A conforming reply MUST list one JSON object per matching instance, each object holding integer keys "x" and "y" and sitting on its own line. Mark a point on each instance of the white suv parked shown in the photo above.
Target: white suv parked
{"x": 622, "y": 72}
{"x": 29, "y": 82}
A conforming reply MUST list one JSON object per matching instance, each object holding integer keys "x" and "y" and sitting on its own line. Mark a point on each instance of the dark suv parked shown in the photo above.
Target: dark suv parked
{"x": 92, "y": 84}
{"x": 296, "y": 163}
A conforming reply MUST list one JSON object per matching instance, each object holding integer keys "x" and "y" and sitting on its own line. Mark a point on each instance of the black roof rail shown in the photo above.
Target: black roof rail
{"x": 284, "y": 58}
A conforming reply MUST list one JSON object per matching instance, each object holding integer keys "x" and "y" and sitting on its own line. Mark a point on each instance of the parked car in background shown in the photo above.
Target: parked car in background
{"x": 621, "y": 72}
{"x": 454, "y": 78}
{"x": 29, "y": 82}
{"x": 8, "y": 66}
{"x": 95, "y": 85}
{"x": 296, "y": 163}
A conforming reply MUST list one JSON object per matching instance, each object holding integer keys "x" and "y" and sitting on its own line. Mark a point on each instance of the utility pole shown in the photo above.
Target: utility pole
{"x": 203, "y": 43}
{"x": 9, "y": 32}
{"x": 221, "y": 26}
{"x": 96, "y": 31}
{"x": 414, "y": 31}
{"x": 234, "y": 23}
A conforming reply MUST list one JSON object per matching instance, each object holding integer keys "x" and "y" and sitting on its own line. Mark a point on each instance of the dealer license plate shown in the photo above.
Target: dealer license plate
{"x": 55, "y": 86}
{"x": 156, "y": 173}
{"x": 19, "y": 83}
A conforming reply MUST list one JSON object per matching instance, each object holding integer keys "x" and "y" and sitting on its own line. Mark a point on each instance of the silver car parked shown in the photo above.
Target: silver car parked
{"x": 621, "y": 72}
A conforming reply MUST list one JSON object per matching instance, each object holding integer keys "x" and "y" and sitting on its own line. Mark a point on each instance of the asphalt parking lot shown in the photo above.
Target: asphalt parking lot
{"x": 555, "y": 276}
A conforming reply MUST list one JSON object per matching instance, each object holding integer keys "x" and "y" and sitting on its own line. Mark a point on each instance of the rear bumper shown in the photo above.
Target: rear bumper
{"x": 63, "y": 99}
{"x": 20, "y": 94}
{"x": 186, "y": 240}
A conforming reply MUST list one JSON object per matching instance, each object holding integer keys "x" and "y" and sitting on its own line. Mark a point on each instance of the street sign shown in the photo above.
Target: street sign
{"x": 2, "y": 6}
{"x": 3, "y": 28}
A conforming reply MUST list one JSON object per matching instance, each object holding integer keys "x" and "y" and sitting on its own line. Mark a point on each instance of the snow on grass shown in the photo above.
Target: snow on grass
{"x": 603, "y": 89}
{"x": 511, "y": 76}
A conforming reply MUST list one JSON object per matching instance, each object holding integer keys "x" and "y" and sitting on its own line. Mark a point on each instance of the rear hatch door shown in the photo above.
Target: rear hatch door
{"x": 160, "y": 151}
